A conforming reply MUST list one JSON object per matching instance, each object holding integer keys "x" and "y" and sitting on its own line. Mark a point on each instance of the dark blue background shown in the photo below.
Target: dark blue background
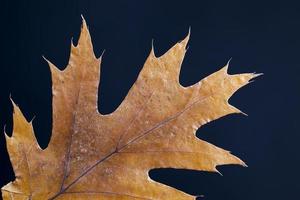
{"x": 261, "y": 36}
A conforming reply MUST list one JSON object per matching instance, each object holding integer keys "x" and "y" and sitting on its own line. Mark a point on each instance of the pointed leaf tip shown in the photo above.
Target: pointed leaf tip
{"x": 84, "y": 26}
{"x": 253, "y": 76}
{"x": 52, "y": 67}
{"x": 152, "y": 51}
{"x": 228, "y": 62}
{"x": 257, "y": 75}
{"x": 7, "y": 137}
{"x": 102, "y": 54}
{"x": 226, "y": 67}
{"x": 84, "y": 37}
{"x": 218, "y": 172}
{"x": 186, "y": 39}
{"x": 238, "y": 111}
{"x": 15, "y": 106}
{"x": 83, "y": 19}
{"x": 85, "y": 40}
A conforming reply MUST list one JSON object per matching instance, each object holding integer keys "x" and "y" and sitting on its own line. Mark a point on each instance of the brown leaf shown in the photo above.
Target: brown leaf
{"x": 95, "y": 156}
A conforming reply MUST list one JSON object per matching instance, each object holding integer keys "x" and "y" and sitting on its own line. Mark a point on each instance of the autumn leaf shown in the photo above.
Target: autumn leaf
{"x": 95, "y": 156}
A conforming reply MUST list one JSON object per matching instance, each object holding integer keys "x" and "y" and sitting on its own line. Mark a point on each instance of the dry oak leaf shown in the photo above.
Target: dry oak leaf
{"x": 95, "y": 156}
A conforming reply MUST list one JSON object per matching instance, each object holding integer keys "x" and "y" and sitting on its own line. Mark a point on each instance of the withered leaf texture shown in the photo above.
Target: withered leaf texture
{"x": 94, "y": 156}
